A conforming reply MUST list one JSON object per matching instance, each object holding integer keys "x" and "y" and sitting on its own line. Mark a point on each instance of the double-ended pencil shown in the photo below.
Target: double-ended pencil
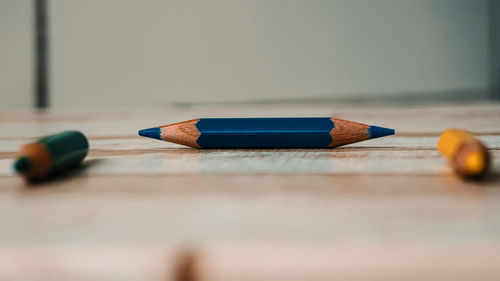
{"x": 308, "y": 132}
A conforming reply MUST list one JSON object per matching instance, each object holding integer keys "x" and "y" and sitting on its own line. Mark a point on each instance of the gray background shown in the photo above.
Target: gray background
{"x": 139, "y": 53}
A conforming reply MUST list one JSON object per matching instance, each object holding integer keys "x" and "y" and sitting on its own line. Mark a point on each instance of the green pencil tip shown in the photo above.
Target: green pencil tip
{"x": 22, "y": 164}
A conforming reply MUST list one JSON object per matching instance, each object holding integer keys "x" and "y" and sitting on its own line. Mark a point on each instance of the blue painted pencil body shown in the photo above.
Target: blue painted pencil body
{"x": 309, "y": 132}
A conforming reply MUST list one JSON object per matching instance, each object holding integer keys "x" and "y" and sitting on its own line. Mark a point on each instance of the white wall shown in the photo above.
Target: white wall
{"x": 494, "y": 36}
{"x": 16, "y": 53}
{"x": 127, "y": 52}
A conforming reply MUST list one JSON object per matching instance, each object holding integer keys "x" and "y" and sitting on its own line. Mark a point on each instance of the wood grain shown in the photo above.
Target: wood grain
{"x": 384, "y": 209}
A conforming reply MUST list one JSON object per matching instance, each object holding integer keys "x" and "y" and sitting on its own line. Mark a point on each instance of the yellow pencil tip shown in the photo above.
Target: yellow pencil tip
{"x": 475, "y": 162}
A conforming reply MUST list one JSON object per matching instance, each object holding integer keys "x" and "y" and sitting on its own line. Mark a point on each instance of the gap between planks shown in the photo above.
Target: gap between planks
{"x": 118, "y": 137}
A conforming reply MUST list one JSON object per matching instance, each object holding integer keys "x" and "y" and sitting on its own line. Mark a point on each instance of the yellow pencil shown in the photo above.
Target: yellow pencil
{"x": 467, "y": 155}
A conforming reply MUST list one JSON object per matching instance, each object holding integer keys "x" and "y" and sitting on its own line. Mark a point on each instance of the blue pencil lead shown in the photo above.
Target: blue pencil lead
{"x": 377, "y": 132}
{"x": 154, "y": 133}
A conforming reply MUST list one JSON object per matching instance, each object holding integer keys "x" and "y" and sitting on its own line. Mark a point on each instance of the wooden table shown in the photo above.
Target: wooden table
{"x": 385, "y": 209}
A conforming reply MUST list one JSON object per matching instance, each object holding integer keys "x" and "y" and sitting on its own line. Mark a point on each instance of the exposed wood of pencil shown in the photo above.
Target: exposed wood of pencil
{"x": 346, "y": 132}
{"x": 459, "y": 161}
{"x": 184, "y": 133}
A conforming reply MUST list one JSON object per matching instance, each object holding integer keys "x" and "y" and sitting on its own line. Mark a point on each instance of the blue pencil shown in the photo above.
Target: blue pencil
{"x": 308, "y": 132}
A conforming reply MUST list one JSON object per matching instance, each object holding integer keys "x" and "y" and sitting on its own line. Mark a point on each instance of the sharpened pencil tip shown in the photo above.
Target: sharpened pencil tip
{"x": 377, "y": 132}
{"x": 154, "y": 133}
{"x": 22, "y": 164}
